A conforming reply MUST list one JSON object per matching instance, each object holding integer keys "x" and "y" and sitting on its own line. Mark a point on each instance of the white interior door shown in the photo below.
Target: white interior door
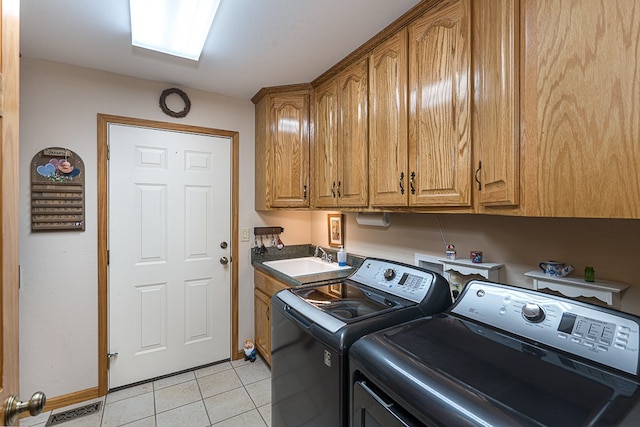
{"x": 169, "y": 230}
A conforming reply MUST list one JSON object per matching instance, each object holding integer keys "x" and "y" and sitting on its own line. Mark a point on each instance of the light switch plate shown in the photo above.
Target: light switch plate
{"x": 244, "y": 234}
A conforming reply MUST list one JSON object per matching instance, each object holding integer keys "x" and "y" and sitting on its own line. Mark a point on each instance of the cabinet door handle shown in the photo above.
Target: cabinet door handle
{"x": 333, "y": 190}
{"x": 401, "y": 182}
{"x": 268, "y": 313}
{"x": 339, "y": 195}
{"x": 304, "y": 192}
{"x": 413, "y": 188}
{"x": 475, "y": 175}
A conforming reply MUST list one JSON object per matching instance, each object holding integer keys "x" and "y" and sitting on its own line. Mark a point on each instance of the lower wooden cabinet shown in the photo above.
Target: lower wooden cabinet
{"x": 265, "y": 287}
{"x": 262, "y": 316}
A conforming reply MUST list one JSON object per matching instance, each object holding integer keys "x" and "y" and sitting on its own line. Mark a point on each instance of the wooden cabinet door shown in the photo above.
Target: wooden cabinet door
{"x": 388, "y": 138}
{"x": 581, "y": 108}
{"x": 289, "y": 129}
{"x": 439, "y": 111}
{"x": 265, "y": 286}
{"x": 9, "y": 206}
{"x": 496, "y": 101}
{"x": 325, "y": 145}
{"x": 352, "y": 154}
{"x": 262, "y": 324}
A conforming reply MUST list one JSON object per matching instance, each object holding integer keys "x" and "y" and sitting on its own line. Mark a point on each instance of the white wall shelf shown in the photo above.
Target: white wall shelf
{"x": 571, "y": 286}
{"x": 488, "y": 270}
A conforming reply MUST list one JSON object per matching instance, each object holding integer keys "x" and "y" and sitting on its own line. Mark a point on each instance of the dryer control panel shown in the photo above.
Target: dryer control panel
{"x": 596, "y": 333}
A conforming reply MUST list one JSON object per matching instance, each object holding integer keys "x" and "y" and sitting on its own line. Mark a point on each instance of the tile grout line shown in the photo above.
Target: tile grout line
{"x": 201, "y": 398}
{"x": 155, "y": 408}
{"x": 104, "y": 409}
{"x": 252, "y": 399}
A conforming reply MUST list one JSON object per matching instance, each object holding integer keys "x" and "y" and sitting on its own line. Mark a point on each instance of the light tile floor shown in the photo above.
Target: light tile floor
{"x": 229, "y": 394}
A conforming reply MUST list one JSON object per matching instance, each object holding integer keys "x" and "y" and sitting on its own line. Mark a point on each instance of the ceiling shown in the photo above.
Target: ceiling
{"x": 252, "y": 44}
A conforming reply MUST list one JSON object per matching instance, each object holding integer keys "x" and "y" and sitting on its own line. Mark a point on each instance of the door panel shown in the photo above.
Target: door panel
{"x": 197, "y": 207}
{"x": 150, "y": 318}
{"x": 198, "y": 299}
{"x": 169, "y": 208}
{"x": 151, "y": 218}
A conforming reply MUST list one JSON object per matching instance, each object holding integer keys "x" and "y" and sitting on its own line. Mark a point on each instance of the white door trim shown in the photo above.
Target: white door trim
{"x": 103, "y": 121}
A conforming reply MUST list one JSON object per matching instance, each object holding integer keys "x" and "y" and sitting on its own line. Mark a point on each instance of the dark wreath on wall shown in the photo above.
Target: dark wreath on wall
{"x": 167, "y": 110}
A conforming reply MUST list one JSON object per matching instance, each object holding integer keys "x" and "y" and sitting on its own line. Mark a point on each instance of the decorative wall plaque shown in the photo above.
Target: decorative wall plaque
{"x": 57, "y": 190}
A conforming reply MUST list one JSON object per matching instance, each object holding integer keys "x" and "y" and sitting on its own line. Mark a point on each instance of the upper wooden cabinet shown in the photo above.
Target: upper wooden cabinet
{"x": 325, "y": 144}
{"x": 388, "y": 134}
{"x": 496, "y": 106}
{"x": 340, "y": 140}
{"x": 440, "y": 170}
{"x": 282, "y": 147}
{"x": 542, "y": 94}
{"x": 422, "y": 157}
{"x": 581, "y": 108}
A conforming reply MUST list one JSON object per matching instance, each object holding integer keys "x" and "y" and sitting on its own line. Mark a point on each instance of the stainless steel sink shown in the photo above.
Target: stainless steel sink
{"x": 302, "y": 266}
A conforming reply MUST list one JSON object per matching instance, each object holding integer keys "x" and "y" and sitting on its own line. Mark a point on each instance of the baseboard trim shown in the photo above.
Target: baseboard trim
{"x": 71, "y": 398}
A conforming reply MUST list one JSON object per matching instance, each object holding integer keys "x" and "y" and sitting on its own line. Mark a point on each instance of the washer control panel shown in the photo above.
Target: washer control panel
{"x": 402, "y": 280}
{"x": 595, "y": 333}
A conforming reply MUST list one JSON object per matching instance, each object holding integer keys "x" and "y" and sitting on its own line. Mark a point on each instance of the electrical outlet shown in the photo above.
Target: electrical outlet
{"x": 244, "y": 234}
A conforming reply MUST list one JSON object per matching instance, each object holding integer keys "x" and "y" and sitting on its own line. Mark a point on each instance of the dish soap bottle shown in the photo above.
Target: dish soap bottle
{"x": 342, "y": 257}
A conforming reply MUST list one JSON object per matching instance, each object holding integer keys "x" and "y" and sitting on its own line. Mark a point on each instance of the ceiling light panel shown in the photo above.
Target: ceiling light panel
{"x": 174, "y": 27}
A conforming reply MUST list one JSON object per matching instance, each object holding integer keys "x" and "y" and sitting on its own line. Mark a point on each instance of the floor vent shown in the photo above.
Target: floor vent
{"x": 72, "y": 414}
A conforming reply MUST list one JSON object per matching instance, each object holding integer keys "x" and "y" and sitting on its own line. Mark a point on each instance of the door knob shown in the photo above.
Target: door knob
{"x": 224, "y": 260}
{"x": 13, "y": 407}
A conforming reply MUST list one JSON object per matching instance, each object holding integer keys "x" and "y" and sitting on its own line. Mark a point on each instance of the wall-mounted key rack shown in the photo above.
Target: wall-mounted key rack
{"x": 274, "y": 232}
{"x": 262, "y": 231}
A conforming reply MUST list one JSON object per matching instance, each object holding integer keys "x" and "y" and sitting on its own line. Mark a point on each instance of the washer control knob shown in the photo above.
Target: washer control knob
{"x": 533, "y": 312}
{"x": 389, "y": 274}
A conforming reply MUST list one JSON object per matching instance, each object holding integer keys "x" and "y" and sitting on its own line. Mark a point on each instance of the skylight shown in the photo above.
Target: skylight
{"x": 174, "y": 27}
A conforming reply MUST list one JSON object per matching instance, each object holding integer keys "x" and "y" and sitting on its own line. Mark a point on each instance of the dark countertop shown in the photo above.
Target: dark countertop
{"x": 299, "y": 251}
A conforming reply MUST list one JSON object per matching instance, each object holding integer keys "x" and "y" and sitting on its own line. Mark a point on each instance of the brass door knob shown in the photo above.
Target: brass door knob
{"x": 13, "y": 407}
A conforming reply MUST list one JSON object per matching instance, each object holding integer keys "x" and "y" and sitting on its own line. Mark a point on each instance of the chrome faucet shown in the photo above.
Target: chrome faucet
{"x": 324, "y": 255}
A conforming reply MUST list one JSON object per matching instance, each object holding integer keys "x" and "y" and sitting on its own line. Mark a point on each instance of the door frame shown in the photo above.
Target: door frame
{"x": 103, "y": 223}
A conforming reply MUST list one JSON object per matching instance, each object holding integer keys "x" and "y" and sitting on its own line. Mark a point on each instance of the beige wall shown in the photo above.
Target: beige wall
{"x": 58, "y": 296}
{"x": 612, "y": 247}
